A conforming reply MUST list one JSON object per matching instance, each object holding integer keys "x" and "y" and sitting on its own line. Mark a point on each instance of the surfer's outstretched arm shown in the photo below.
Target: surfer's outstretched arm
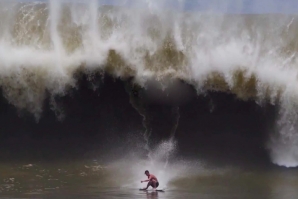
{"x": 147, "y": 186}
{"x": 149, "y": 179}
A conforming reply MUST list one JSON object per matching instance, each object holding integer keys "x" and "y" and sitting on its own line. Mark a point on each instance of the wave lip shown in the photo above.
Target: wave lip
{"x": 53, "y": 42}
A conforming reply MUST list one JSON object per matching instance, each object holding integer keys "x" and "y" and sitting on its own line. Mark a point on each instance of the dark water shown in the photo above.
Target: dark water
{"x": 217, "y": 150}
{"x": 109, "y": 121}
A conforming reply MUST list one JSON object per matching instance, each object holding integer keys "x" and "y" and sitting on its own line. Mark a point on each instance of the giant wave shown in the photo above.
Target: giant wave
{"x": 45, "y": 46}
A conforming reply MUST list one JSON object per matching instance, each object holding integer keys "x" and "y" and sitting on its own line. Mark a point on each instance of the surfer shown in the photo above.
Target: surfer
{"x": 152, "y": 181}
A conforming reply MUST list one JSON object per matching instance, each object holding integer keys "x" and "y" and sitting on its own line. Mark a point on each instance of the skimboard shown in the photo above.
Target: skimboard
{"x": 159, "y": 190}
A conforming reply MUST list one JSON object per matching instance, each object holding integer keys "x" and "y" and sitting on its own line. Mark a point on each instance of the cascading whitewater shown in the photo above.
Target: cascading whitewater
{"x": 44, "y": 44}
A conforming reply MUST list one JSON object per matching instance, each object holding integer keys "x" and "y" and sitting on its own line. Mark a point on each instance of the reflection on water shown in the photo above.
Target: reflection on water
{"x": 152, "y": 195}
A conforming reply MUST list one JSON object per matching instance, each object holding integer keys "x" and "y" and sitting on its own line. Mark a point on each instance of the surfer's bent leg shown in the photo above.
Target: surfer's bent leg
{"x": 154, "y": 184}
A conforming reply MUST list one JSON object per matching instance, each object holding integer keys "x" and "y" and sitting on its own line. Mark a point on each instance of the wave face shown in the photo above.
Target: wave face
{"x": 44, "y": 46}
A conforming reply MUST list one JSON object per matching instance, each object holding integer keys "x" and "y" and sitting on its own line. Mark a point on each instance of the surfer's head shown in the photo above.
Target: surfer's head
{"x": 147, "y": 173}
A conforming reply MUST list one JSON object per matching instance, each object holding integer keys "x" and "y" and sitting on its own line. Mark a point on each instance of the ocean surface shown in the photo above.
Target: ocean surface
{"x": 88, "y": 179}
{"x": 93, "y": 95}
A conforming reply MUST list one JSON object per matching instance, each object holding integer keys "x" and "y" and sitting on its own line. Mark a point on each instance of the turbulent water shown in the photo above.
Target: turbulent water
{"x": 145, "y": 86}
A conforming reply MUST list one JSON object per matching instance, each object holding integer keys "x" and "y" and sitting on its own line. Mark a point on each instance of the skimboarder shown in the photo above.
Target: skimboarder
{"x": 152, "y": 181}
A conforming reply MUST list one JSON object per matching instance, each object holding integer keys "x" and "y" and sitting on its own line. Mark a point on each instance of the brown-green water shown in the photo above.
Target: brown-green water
{"x": 88, "y": 179}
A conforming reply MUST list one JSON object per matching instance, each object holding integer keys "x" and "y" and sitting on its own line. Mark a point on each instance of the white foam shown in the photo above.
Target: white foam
{"x": 129, "y": 172}
{"x": 44, "y": 63}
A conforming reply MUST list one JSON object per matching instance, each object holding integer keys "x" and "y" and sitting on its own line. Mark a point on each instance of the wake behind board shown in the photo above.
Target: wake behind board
{"x": 159, "y": 190}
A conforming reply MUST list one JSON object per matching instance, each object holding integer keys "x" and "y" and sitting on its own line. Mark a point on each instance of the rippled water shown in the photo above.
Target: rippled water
{"x": 90, "y": 180}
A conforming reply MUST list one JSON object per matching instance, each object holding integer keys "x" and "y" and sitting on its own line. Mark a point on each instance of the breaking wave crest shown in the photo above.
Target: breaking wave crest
{"x": 43, "y": 46}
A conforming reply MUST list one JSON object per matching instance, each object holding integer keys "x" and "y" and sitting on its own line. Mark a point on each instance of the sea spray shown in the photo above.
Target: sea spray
{"x": 283, "y": 143}
{"x": 139, "y": 106}
{"x": 171, "y": 144}
{"x": 158, "y": 156}
{"x": 44, "y": 44}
